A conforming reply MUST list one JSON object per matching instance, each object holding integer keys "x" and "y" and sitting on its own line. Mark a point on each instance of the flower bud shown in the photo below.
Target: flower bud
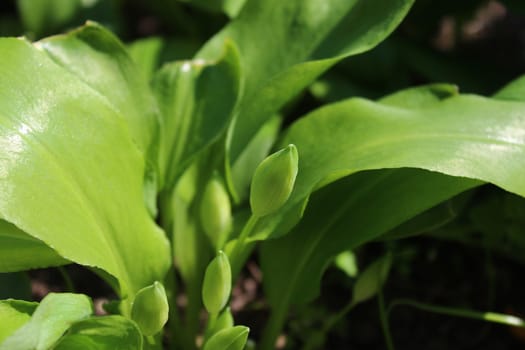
{"x": 217, "y": 283}
{"x": 233, "y": 338}
{"x": 215, "y": 212}
{"x": 273, "y": 181}
{"x": 150, "y": 309}
{"x": 372, "y": 279}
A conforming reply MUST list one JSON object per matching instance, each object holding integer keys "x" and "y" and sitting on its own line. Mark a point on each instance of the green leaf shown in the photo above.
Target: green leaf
{"x": 146, "y": 53}
{"x": 420, "y": 96}
{"x": 233, "y": 338}
{"x": 349, "y": 209}
{"x": 101, "y": 61}
{"x": 13, "y": 315}
{"x": 71, "y": 174}
{"x": 514, "y": 91}
{"x": 308, "y": 37}
{"x": 464, "y": 136}
{"x": 102, "y": 333}
{"x": 19, "y": 251}
{"x": 244, "y": 167}
{"x": 430, "y": 220}
{"x": 55, "y": 314}
{"x": 467, "y": 136}
{"x": 196, "y": 99}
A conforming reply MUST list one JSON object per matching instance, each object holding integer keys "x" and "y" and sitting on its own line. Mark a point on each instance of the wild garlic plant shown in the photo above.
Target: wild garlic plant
{"x": 165, "y": 181}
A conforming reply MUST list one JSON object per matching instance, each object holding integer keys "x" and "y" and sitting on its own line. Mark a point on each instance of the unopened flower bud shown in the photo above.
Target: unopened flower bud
{"x": 217, "y": 283}
{"x": 273, "y": 181}
{"x": 371, "y": 280}
{"x": 150, "y": 309}
{"x": 233, "y": 338}
{"x": 215, "y": 212}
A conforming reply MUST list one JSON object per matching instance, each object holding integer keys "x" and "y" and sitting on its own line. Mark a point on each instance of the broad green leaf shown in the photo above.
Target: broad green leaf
{"x": 467, "y": 136}
{"x": 196, "y": 99}
{"x": 71, "y": 174}
{"x": 514, "y": 91}
{"x": 349, "y": 209}
{"x": 20, "y": 251}
{"x": 13, "y": 315}
{"x": 55, "y": 314}
{"x": 307, "y": 37}
{"x": 145, "y": 53}
{"x": 101, "y": 62}
{"x": 474, "y": 132}
{"x": 283, "y": 221}
{"x": 254, "y": 153}
{"x": 102, "y": 333}
{"x": 420, "y": 96}
{"x": 430, "y": 220}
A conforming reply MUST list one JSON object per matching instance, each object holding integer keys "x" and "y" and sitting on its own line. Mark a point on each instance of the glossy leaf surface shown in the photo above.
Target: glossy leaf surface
{"x": 196, "y": 99}
{"x": 307, "y": 37}
{"x": 463, "y": 136}
{"x": 100, "y": 61}
{"x": 71, "y": 174}
{"x": 468, "y": 136}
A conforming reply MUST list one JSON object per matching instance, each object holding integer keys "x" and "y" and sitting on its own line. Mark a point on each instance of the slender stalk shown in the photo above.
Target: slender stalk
{"x": 274, "y": 326}
{"x": 235, "y": 254}
{"x": 175, "y": 325}
{"x": 383, "y": 316}
{"x": 508, "y": 320}
{"x": 328, "y": 325}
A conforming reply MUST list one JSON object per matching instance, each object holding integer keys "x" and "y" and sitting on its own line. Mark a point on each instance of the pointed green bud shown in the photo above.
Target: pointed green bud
{"x": 273, "y": 181}
{"x": 233, "y": 338}
{"x": 372, "y": 279}
{"x": 150, "y": 309}
{"x": 217, "y": 283}
{"x": 216, "y": 212}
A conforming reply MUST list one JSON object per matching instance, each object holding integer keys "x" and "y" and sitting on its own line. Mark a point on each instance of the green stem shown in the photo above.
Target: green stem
{"x": 274, "y": 326}
{"x": 508, "y": 320}
{"x": 383, "y": 316}
{"x": 328, "y": 325}
{"x": 175, "y": 325}
{"x": 236, "y": 252}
